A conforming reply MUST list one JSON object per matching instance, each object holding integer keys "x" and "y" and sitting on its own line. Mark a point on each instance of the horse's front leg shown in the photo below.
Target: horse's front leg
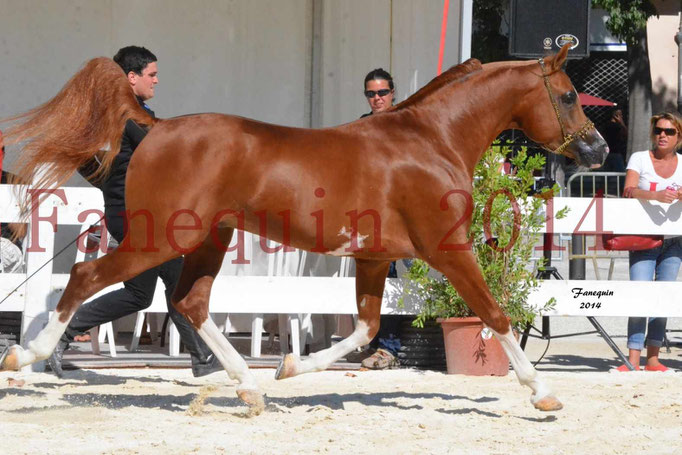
{"x": 40, "y": 348}
{"x": 369, "y": 288}
{"x": 461, "y": 269}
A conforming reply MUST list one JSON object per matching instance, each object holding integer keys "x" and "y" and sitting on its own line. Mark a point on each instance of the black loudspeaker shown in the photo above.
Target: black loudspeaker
{"x": 541, "y": 27}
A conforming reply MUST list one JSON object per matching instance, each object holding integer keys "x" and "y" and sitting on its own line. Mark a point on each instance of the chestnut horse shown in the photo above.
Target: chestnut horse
{"x": 385, "y": 187}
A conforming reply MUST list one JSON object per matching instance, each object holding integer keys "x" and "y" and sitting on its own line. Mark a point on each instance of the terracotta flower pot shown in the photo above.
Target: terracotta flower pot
{"x": 472, "y": 349}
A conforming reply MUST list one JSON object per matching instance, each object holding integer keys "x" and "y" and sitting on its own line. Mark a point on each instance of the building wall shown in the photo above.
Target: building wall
{"x": 290, "y": 62}
{"x": 246, "y": 58}
{"x": 600, "y": 37}
{"x": 401, "y": 36}
{"x": 663, "y": 52}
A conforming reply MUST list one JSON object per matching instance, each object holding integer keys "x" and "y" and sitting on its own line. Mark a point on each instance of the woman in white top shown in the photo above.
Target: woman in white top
{"x": 655, "y": 174}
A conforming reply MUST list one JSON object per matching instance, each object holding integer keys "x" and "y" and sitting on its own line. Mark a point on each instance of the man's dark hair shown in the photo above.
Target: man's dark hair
{"x": 134, "y": 58}
{"x": 379, "y": 74}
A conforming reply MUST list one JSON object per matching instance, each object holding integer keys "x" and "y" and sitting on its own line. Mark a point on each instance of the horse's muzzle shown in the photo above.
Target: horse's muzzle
{"x": 590, "y": 151}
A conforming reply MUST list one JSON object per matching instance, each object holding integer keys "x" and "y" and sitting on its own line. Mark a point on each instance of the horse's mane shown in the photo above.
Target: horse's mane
{"x": 530, "y": 63}
{"x": 453, "y": 74}
{"x": 86, "y": 118}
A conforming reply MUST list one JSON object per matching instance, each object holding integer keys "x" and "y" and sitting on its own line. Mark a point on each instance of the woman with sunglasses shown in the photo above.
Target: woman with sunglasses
{"x": 379, "y": 90}
{"x": 655, "y": 174}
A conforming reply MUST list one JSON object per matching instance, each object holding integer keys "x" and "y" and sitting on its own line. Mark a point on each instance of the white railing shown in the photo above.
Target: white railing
{"x": 618, "y": 298}
{"x": 243, "y": 288}
{"x": 246, "y": 289}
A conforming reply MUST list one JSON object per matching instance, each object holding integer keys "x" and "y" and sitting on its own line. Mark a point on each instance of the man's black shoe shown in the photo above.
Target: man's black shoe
{"x": 55, "y": 359}
{"x": 211, "y": 365}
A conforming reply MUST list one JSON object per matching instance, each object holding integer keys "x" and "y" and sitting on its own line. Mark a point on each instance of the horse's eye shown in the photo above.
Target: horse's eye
{"x": 569, "y": 98}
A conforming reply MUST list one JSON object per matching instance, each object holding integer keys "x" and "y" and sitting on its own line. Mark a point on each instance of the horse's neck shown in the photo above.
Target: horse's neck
{"x": 496, "y": 97}
{"x": 479, "y": 109}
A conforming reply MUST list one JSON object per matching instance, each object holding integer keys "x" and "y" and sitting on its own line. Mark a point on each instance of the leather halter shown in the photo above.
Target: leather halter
{"x": 568, "y": 138}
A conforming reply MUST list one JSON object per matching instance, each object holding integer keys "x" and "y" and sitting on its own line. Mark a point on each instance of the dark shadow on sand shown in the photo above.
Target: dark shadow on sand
{"x": 119, "y": 401}
{"x": 469, "y": 411}
{"x": 576, "y": 363}
{"x": 579, "y": 364}
{"x": 14, "y": 391}
{"x": 336, "y": 401}
{"x": 179, "y": 403}
{"x": 92, "y": 378}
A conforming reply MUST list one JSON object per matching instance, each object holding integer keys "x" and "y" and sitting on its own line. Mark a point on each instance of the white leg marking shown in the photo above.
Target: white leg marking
{"x": 42, "y": 346}
{"x": 321, "y": 360}
{"x": 524, "y": 370}
{"x": 234, "y": 364}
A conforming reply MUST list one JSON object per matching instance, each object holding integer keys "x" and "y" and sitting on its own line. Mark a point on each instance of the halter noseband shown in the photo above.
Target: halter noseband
{"x": 568, "y": 138}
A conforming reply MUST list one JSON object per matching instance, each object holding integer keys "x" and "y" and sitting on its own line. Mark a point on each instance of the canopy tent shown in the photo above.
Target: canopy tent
{"x": 589, "y": 100}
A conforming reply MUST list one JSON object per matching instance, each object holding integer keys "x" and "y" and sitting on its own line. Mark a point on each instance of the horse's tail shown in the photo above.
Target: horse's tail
{"x": 86, "y": 118}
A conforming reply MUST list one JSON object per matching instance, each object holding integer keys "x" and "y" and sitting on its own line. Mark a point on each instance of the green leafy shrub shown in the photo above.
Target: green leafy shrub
{"x": 513, "y": 221}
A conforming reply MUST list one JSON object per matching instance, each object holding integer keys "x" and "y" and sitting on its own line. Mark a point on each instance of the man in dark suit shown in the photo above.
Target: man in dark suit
{"x": 140, "y": 67}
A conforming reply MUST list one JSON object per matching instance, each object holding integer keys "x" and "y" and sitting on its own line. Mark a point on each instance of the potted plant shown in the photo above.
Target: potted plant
{"x": 505, "y": 229}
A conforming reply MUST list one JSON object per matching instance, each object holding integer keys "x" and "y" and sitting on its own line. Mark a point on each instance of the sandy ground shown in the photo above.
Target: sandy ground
{"x": 165, "y": 411}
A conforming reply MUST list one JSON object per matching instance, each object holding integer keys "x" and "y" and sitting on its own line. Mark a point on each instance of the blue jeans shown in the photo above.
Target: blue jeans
{"x": 393, "y": 269}
{"x": 659, "y": 264}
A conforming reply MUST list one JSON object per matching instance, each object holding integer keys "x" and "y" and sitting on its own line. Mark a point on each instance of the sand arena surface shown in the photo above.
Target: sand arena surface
{"x": 157, "y": 411}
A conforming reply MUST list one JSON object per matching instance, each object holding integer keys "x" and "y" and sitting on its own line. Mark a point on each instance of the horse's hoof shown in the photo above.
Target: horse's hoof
{"x": 288, "y": 367}
{"x": 253, "y": 399}
{"x": 9, "y": 358}
{"x": 548, "y": 403}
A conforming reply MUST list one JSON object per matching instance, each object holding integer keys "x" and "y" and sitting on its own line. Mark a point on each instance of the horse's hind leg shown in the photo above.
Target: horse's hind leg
{"x": 191, "y": 299}
{"x": 464, "y": 274}
{"x": 369, "y": 285}
{"x": 87, "y": 278}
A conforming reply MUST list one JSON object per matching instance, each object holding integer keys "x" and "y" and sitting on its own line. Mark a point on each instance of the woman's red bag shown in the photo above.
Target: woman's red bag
{"x": 629, "y": 242}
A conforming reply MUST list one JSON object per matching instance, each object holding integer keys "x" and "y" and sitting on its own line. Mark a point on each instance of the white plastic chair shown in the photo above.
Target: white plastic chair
{"x": 97, "y": 336}
{"x": 152, "y": 313}
{"x": 105, "y": 332}
{"x": 281, "y": 263}
{"x": 323, "y": 326}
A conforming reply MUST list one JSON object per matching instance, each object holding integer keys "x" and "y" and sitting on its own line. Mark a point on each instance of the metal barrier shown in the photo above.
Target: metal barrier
{"x": 589, "y": 184}
{"x": 585, "y": 184}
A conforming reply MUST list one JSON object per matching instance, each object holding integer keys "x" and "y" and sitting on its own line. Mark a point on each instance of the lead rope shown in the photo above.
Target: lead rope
{"x": 86, "y": 232}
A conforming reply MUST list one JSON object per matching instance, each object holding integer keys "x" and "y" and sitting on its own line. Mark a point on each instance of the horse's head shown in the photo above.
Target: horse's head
{"x": 551, "y": 115}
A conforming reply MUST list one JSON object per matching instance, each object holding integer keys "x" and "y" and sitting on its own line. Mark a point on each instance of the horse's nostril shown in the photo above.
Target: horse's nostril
{"x": 603, "y": 150}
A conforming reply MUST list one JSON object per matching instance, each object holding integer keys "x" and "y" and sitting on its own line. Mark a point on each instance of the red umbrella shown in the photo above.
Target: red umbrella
{"x": 589, "y": 100}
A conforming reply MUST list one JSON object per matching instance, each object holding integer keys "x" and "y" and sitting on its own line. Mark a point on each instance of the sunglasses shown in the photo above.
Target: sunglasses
{"x": 373, "y": 93}
{"x": 667, "y": 131}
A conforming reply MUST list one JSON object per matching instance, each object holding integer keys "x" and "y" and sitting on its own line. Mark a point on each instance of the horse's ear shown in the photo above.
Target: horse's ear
{"x": 560, "y": 57}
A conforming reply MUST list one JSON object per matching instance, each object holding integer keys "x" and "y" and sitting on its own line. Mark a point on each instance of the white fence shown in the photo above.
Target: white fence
{"x": 268, "y": 284}
{"x": 613, "y": 298}
{"x": 240, "y": 289}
